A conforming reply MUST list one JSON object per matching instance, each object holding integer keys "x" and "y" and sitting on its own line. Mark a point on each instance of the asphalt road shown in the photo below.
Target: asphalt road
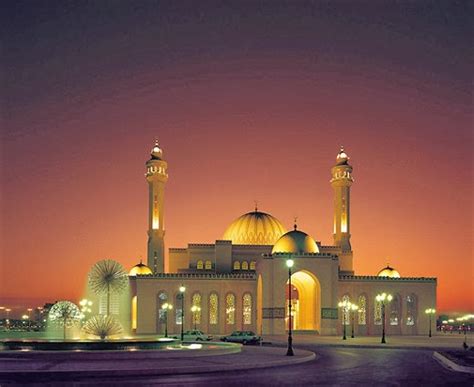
{"x": 337, "y": 366}
{"x": 333, "y": 366}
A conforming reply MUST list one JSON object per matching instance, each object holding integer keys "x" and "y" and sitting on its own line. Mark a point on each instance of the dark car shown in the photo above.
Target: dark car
{"x": 242, "y": 337}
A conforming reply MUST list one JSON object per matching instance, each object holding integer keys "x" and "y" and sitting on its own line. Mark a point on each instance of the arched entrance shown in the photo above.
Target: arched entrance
{"x": 306, "y": 302}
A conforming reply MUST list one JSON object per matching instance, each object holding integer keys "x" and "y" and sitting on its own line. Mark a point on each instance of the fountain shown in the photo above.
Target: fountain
{"x": 102, "y": 331}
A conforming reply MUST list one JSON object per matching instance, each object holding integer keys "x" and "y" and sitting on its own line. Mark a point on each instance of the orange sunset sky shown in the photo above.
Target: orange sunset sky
{"x": 250, "y": 101}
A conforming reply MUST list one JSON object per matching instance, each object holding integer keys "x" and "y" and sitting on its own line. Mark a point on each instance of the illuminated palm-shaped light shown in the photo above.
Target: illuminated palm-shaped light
{"x": 102, "y": 326}
{"x": 107, "y": 276}
{"x": 64, "y": 314}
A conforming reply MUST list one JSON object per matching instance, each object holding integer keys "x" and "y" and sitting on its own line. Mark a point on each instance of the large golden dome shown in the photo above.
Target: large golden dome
{"x": 254, "y": 228}
{"x": 295, "y": 242}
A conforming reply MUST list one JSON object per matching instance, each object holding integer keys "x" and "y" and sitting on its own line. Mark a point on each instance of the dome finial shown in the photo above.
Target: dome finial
{"x": 256, "y": 205}
{"x": 295, "y": 226}
{"x": 156, "y": 152}
{"x": 342, "y": 158}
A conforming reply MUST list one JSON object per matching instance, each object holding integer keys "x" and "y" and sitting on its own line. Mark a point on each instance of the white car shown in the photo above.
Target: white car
{"x": 194, "y": 335}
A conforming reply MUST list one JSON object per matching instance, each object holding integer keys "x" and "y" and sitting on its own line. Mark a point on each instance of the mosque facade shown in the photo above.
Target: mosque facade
{"x": 241, "y": 281}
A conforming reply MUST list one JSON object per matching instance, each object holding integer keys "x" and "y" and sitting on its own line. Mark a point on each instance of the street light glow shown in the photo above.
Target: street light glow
{"x": 290, "y": 263}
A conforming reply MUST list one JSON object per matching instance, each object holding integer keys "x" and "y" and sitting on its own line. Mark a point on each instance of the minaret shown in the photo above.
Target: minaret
{"x": 341, "y": 182}
{"x": 156, "y": 176}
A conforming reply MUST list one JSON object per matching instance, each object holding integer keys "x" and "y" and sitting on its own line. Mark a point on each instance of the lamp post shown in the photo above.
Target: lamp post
{"x": 289, "y": 352}
{"x": 182, "y": 289}
{"x": 381, "y": 298}
{"x": 195, "y": 309}
{"x": 354, "y": 308}
{"x": 166, "y": 307}
{"x": 8, "y": 310}
{"x": 345, "y": 306}
{"x": 430, "y": 312}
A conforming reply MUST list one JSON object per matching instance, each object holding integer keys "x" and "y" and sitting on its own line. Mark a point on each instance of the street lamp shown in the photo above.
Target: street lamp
{"x": 8, "y": 310}
{"x": 195, "y": 309}
{"x": 345, "y": 306}
{"x": 182, "y": 289}
{"x": 289, "y": 352}
{"x": 430, "y": 312}
{"x": 354, "y": 308}
{"x": 166, "y": 307}
{"x": 381, "y": 298}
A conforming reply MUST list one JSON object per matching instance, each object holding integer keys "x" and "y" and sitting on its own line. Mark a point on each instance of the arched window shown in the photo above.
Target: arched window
{"x": 236, "y": 265}
{"x": 245, "y": 265}
{"x": 208, "y": 265}
{"x": 253, "y": 265}
{"x": 395, "y": 310}
{"x": 200, "y": 265}
{"x": 230, "y": 309}
{"x": 247, "y": 310}
{"x": 346, "y": 312}
{"x": 378, "y": 312}
{"x": 178, "y": 311}
{"x": 362, "y": 310}
{"x": 213, "y": 309}
{"x": 411, "y": 309}
{"x": 161, "y": 315}
{"x": 197, "y": 313}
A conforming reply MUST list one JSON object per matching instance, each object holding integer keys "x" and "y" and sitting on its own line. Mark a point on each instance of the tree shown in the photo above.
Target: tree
{"x": 107, "y": 276}
{"x": 64, "y": 314}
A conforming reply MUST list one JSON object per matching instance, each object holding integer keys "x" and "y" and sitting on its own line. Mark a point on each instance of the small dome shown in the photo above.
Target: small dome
{"x": 295, "y": 242}
{"x": 254, "y": 228}
{"x": 389, "y": 272}
{"x": 139, "y": 269}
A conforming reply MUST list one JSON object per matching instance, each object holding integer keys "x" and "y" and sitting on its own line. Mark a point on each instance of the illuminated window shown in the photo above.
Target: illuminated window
{"x": 411, "y": 309}
{"x": 346, "y": 317}
{"x": 253, "y": 265}
{"x": 230, "y": 309}
{"x": 161, "y": 315}
{"x": 213, "y": 309}
{"x": 236, "y": 265}
{"x": 362, "y": 310}
{"x": 178, "y": 312}
{"x": 208, "y": 265}
{"x": 134, "y": 312}
{"x": 200, "y": 265}
{"x": 197, "y": 303}
{"x": 394, "y": 310}
{"x": 378, "y": 312}
{"x": 247, "y": 311}
{"x": 245, "y": 265}
{"x": 156, "y": 220}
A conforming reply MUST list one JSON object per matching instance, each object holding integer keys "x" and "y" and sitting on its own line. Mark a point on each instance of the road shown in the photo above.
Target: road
{"x": 337, "y": 366}
{"x": 333, "y": 366}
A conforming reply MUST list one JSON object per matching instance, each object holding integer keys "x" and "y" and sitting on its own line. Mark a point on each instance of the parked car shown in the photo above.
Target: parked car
{"x": 194, "y": 335}
{"x": 243, "y": 337}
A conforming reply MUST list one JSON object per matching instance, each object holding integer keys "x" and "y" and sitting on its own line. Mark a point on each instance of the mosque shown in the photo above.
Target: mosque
{"x": 241, "y": 282}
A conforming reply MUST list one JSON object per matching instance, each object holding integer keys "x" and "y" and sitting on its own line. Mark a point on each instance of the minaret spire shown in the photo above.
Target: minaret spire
{"x": 156, "y": 176}
{"x": 341, "y": 182}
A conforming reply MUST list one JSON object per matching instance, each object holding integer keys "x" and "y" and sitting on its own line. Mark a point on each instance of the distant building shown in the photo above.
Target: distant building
{"x": 240, "y": 281}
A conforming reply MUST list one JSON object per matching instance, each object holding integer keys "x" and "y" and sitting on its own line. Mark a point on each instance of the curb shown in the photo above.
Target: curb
{"x": 451, "y": 364}
{"x": 366, "y": 346}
